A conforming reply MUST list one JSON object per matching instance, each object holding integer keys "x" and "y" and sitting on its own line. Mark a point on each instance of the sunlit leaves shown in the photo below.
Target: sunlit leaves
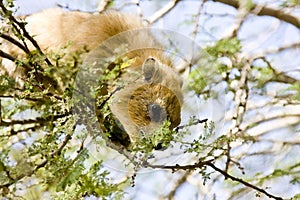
{"x": 78, "y": 182}
{"x": 198, "y": 81}
{"x": 296, "y": 90}
{"x": 160, "y": 137}
{"x": 6, "y": 83}
{"x": 225, "y": 47}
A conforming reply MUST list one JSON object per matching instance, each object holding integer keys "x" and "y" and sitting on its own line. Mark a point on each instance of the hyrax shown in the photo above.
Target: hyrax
{"x": 141, "y": 105}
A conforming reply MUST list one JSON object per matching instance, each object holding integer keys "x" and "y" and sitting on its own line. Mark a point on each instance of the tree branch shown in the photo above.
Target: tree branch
{"x": 15, "y": 42}
{"x": 163, "y": 11}
{"x": 226, "y": 175}
{"x": 24, "y": 32}
{"x": 261, "y": 53}
{"x": 177, "y": 167}
{"x": 31, "y": 121}
{"x": 13, "y": 59}
{"x": 177, "y": 184}
{"x": 278, "y": 76}
{"x": 264, "y": 10}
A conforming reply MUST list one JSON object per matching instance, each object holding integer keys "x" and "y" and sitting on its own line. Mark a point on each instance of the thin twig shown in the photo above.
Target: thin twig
{"x": 21, "y": 25}
{"x": 163, "y": 11}
{"x": 209, "y": 163}
{"x": 177, "y": 184}
{"x": 264, "y": 10}
{"x": 13, "y": 59}
{"x": 103, "y": 5}
{"x": 196, "y": 20}
{"x": 226, "y": 175}
{"x": 197, "y": 121}
{"x": 240, "y": 19}
{"x": 260, "y": 53}
{"x": 42, "y": 164}
{"x": 33, "y": 121}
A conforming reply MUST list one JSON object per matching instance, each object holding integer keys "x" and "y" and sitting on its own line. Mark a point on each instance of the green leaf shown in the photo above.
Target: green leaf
{"x": 225, "y": 47}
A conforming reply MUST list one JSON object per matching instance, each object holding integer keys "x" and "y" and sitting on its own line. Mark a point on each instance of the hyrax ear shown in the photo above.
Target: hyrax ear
{"x": 149, "y": 68}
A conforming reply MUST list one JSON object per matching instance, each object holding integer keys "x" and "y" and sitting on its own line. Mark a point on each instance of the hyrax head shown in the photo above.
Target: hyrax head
{"x": 143, "y": 106}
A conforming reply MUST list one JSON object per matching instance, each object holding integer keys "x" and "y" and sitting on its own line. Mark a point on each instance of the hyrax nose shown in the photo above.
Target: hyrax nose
{"x": 157, "y": 113}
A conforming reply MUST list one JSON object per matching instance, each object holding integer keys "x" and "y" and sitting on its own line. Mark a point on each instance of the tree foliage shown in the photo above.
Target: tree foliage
{"x": 244, "y": 142}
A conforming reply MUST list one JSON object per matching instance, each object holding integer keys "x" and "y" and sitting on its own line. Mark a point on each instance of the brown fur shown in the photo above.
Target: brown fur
{"x": 159, "y": 86}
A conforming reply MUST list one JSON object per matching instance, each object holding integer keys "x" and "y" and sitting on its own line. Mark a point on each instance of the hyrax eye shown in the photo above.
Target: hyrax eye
{"x": 156, "y": 113}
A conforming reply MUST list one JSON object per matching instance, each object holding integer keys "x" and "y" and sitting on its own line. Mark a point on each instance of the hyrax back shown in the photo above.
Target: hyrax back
{"x": 141, "y": 105}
